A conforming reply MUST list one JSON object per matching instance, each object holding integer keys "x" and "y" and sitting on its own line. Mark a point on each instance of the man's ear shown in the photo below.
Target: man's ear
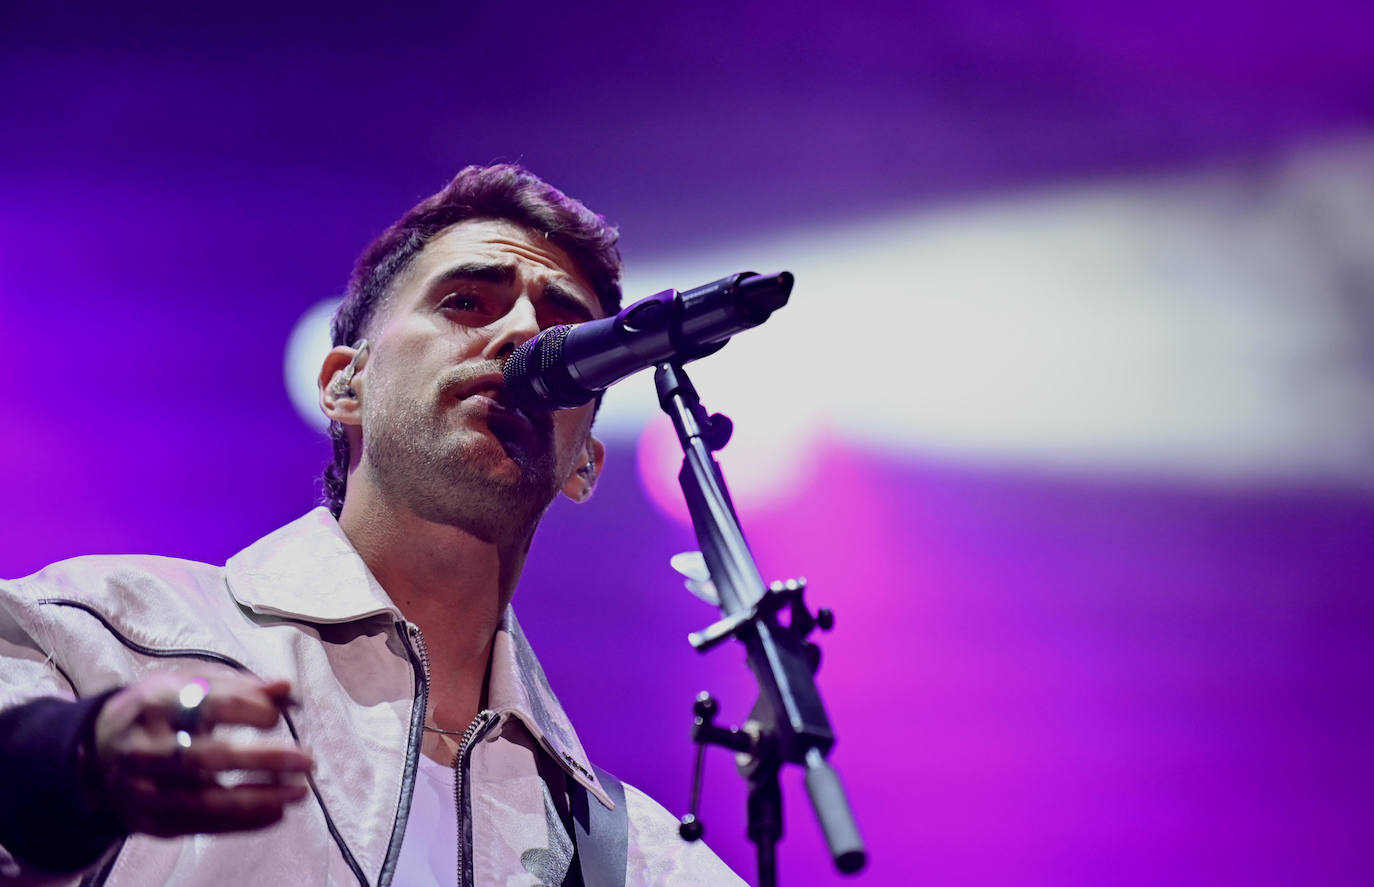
{"x": 580, "y": 484}
{"x": 340, "y": 385}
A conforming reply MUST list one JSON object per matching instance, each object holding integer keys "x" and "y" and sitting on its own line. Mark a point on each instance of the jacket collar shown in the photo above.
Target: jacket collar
{"x": 519, "y": 687}
{"x": 308, "y": 570}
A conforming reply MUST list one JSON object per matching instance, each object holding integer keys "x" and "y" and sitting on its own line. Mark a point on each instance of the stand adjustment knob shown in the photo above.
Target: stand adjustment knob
{"x": 690, "y": 828}
{"x": 705, "y": 706}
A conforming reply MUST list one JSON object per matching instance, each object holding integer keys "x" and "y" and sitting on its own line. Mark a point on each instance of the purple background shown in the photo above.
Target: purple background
{"x": 1034, "y": 678}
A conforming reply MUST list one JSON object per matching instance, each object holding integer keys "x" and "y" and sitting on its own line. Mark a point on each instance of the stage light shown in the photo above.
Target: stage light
{"x": 305, "y": 350}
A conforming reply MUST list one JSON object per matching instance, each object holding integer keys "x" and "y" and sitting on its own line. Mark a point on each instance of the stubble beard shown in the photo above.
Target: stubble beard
{"x": 460, "y": 477}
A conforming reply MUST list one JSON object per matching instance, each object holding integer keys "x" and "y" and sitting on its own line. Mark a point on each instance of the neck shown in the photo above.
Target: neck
{"x": 447, "y": 581}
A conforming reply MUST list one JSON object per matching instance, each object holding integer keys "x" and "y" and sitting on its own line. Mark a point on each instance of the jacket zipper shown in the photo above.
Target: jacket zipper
{"x": 415, "y": 648}
{"x": 479, "y": 727}
{"x": 462, "y": 791}
{"x": 208, "y": 656}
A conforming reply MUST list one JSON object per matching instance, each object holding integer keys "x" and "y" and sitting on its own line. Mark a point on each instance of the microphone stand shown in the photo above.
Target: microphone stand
{"x": 788, "y": 724}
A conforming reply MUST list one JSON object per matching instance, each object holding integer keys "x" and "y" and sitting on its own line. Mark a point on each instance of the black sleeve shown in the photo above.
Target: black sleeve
{"x": 45, "y": 815}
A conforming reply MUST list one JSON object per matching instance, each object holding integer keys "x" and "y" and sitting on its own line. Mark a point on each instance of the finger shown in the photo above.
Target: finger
{"x": 215, "y": 755}
{"x": 208, "y": 755}
{"x": 242, "y": 807}
{"x": 142, "y": 804}
{"x": 241, "y": 699}
{"x": 214, "y": 808}
{"x": 229, "y": 698}
{"x": 243, "y": 706}
{"x": 278, "y": 690}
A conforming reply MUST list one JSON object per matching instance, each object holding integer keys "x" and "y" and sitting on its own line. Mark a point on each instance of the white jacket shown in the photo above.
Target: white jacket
{"x": 300, "y": 604}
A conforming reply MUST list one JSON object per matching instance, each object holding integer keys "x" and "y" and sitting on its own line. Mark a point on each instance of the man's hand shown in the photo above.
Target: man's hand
{"x": 158, "y": 780}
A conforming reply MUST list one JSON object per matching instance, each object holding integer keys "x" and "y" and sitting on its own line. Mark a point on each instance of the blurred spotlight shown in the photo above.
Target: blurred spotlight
{"x": 1212, "y": 327}
{"x": 763, "y": 467}
{"x": 305, "y": 351}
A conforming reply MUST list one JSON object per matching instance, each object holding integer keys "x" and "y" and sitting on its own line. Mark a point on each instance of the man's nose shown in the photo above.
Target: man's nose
{"x": 514, "y": 328}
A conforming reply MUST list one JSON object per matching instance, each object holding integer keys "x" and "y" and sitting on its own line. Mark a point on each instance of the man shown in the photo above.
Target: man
{"x": 349, "y": 700}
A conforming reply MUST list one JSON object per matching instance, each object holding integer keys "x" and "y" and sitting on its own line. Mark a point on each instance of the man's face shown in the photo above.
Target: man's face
{"x": 436, "y": 430}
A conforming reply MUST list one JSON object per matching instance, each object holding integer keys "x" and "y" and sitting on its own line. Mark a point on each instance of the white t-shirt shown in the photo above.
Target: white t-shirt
{"x": 429, "y": 850}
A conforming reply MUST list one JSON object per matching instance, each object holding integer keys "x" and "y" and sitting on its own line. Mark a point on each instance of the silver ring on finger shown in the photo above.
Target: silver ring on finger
{"x": 188, "y": 717}
{"x": 183, "y": 745}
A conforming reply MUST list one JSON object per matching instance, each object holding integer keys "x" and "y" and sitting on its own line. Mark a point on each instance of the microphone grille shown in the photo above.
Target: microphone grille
{"x": 549, "y": 354}
{"x": 527, "y": 372}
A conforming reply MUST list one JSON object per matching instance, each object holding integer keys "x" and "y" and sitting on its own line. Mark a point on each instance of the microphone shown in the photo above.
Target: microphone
{"x": 569, "y": 364}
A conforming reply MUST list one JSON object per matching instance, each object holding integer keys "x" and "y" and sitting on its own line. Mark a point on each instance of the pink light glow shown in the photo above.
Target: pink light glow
{"x": 761, "y": 472}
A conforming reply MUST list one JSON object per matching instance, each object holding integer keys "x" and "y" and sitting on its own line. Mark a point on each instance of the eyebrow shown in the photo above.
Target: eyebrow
{"x": 503, "y": 273}
{"x": 567, "y": 300}
{"x": 484, "y": 272}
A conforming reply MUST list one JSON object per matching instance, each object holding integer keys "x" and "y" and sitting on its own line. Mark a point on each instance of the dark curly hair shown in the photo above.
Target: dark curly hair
{"x": 501, "y": 191}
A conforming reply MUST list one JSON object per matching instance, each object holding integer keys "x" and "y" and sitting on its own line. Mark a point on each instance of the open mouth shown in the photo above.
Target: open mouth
{"x": 485, "y": 394}
{"x": 499, "y": 413}
{"x": 487, "y": 389}
{"x": 496, "y": 405}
